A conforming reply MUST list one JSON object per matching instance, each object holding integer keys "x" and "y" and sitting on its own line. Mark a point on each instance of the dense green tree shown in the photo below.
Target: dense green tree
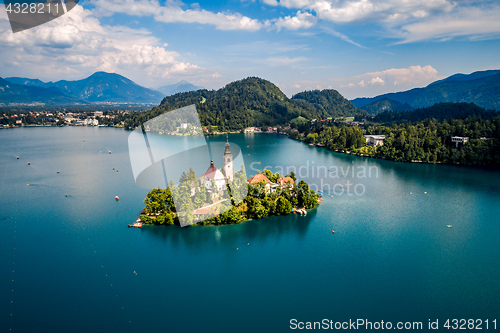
{"x": 283, "y": 206}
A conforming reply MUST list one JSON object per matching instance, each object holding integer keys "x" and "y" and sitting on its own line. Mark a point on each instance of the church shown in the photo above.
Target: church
{"x": 215, "y": 175}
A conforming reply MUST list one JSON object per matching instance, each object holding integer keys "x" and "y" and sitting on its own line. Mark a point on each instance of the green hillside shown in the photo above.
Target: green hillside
{"x": 248, "y": 102}
{"x": 441, "y": 111}
{"x": 385, "y": 104}
{"x": 329, "y": 102}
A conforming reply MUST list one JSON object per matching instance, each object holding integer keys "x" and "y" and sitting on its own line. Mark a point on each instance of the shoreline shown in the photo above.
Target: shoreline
{"x": 236, "y": 223}
{"x": 288, "y": 136}
{"x": 385, "y": 159}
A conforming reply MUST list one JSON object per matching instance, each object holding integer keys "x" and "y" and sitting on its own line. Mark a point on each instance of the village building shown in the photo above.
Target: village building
{"x": 91, "y": 122}
{"x": 459, "y": 139}
{"x": 286, "y": 181}
{"x": 375, "y": 140}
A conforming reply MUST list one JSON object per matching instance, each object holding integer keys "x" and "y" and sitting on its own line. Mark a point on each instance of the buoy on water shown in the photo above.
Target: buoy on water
{"x": 237, "y": 249}
{"x": 29, "y": 163}
{"x": 66, "y": 195}
{"x": 18, "y": 157}
{"x": 117, "y": 198}
{"x": 333, "y": 231}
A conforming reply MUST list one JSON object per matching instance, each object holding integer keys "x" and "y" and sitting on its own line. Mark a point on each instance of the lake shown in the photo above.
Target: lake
{"x": 71, "y": 264}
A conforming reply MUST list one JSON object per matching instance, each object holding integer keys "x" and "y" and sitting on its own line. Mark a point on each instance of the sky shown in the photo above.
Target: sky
{"x": 362, "y": 48}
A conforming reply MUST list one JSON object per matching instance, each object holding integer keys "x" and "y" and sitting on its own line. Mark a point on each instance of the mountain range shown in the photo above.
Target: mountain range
{"x": 481, "y": 88}
{"x": 18, "y": 93}
{"x": 100, "y": 87}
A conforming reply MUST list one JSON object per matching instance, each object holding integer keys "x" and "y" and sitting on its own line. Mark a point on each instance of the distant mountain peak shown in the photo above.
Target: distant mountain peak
{"x": 179, "y": 87}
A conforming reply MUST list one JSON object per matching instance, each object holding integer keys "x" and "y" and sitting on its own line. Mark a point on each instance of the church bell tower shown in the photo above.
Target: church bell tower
{"x": 228, "y": 161}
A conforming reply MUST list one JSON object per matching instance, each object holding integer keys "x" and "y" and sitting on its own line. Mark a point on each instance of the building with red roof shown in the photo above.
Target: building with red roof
{"x": 259, "y": 178}
{"x": 214, "y": 174}
{"x": 285, "y": 181}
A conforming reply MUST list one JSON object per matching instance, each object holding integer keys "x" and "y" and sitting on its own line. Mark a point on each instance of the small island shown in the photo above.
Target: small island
{"x": 222, "y": 196}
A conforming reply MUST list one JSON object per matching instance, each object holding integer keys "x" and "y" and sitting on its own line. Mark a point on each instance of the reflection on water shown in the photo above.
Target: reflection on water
{"x": 206, "y": 237}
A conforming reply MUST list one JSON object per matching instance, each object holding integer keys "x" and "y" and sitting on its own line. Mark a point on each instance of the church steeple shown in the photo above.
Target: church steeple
{"x": 228, "y": 160}
{"x": 227, "y": 151}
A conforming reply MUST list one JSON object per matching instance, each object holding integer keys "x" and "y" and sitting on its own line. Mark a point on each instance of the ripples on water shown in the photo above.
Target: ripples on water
{"x": 71, "y": 263}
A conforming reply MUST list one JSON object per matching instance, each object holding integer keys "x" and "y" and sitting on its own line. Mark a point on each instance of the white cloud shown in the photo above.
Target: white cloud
{"x": 408, "y": 20}
{"x": 377, "y": 80}
{"x": 130, "y": 7}
{"x": 346, "y": 11}
{"x": 476, "y": 23}
{"x": 342, "y": 11}
{"x": 334, "y": 33}
{"x": 271, "y": 2}
{"x": 172, "y": 12}
{"x": 77, "y": 44}
{"x": 301, "y": 20}
{"x": 399, "y": 79}
{"x": 413, "y": 75}
{"x": 222, "y": 21}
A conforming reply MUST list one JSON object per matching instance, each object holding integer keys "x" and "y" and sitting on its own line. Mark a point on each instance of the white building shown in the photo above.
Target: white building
{"x": 184, "y": 125}
{"x": 91, "y": 122}
{"x": 459, "y": 139}
{"x": 375, "y": 140}
{"x": 213, "y": 174}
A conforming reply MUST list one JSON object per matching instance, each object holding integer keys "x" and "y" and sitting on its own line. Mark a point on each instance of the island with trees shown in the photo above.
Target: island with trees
{"x": 267, "y": 194}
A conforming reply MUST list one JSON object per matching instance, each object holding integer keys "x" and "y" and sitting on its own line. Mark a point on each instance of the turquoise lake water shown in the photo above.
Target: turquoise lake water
{"x": 68, "y": 263}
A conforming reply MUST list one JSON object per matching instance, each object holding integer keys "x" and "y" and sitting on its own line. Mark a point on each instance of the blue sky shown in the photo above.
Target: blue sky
{"x": 359, "y": 47}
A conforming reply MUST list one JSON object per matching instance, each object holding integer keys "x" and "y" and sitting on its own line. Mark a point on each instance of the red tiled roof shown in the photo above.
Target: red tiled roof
{"x": 258, "y": 178}
{"x": 211, "y": 173}
{"x": 285, "y": 180}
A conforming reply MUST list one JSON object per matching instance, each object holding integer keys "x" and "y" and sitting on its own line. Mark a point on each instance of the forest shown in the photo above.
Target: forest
{"x": 251, "y": 102}
{"x": 417, "y": 136}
